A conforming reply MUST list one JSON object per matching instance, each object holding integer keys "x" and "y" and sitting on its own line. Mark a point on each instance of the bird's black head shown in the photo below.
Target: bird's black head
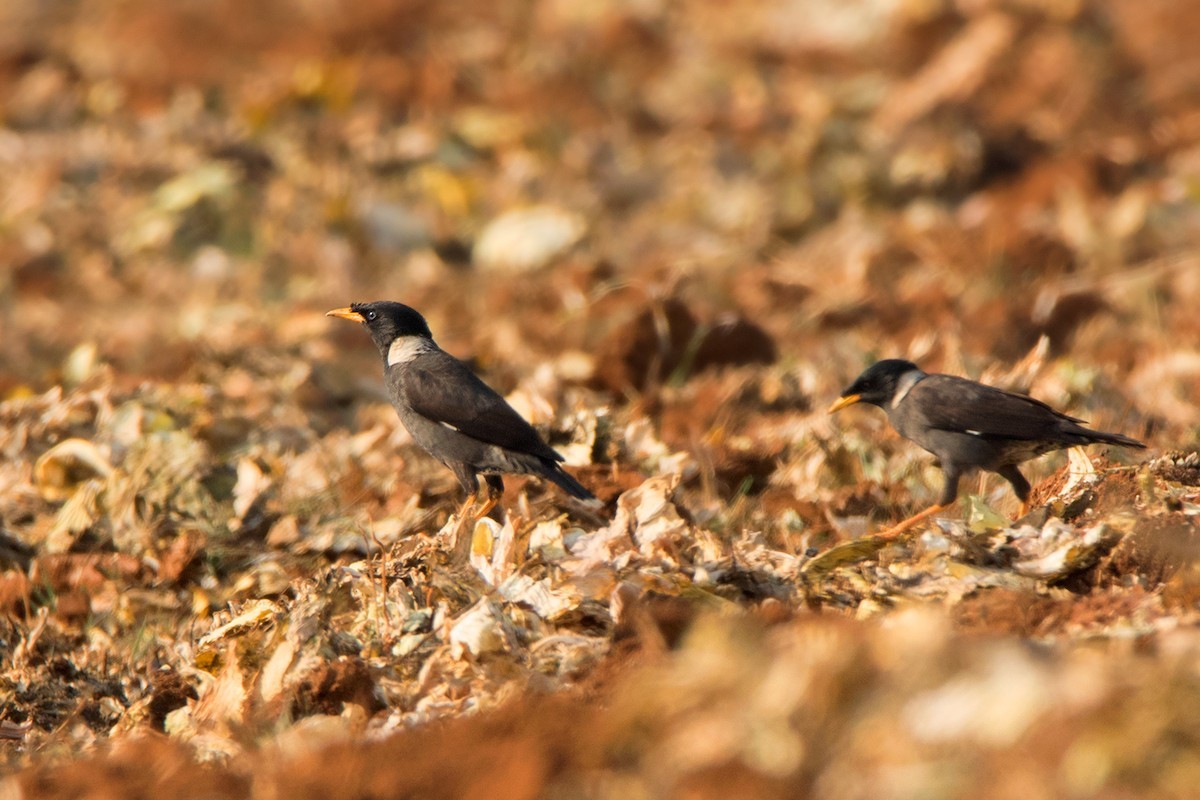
{"x": 386, "y": 321}
{"x": 877, "y": 385}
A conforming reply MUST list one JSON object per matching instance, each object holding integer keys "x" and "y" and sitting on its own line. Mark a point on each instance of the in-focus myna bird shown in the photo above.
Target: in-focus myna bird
{"x": 457, "y": 418}
{"x": 967, "y": 425}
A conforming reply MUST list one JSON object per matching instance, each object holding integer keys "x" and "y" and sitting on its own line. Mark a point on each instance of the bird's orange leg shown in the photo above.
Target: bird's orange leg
{"x": 465, "y": 509}
{"x": 901, "y": 527}
{"x": 489, "y": 503}
{"x": 1021, "y": 486}
{"x": 495, "y": 490}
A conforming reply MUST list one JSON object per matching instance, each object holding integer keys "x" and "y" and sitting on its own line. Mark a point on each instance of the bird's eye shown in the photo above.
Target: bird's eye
{"x": 371, "y": 316}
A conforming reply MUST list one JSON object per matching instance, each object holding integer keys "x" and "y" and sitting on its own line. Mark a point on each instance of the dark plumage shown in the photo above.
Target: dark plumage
{"x": 968, "y": 425}
{"x": 449, "y": 411}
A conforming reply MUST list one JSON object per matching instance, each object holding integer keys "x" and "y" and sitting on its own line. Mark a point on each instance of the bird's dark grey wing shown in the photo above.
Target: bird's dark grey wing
{"x": 951, "y": 403}
{"x": 441, "y": 388}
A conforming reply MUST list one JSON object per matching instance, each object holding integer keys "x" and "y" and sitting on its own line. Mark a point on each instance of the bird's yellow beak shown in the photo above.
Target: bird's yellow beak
{"x": 346, "y": 313}
{"x": 838, "y": 404}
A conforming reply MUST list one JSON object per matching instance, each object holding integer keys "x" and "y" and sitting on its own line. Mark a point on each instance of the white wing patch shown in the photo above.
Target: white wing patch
{"x": 406, "y": 348}
{"x": 975, "y": 433}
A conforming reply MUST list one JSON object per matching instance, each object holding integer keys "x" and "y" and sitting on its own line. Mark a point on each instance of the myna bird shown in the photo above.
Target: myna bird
{"x": 968, "y": 425}
{"x": 457, "y": 418}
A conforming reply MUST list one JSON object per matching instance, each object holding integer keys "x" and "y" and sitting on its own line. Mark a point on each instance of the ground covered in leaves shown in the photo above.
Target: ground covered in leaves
{"x": 669, "y": 233}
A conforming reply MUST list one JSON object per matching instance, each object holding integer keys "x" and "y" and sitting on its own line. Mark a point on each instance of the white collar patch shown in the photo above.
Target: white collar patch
{"x": 406, "y": 348}
{"x": 907, "y": 381}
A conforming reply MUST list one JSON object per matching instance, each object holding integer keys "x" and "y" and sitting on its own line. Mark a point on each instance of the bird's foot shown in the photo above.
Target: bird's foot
{"x": 493, "y": 487}
{"x": 467, "y": 509}
{"x": 901, "y": 527}
{"x": 489, "y": 502}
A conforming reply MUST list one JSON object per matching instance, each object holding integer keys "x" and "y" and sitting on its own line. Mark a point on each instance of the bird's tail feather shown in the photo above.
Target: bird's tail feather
{"x": 1103, "y": 437}
{"x": 566, "y": 481}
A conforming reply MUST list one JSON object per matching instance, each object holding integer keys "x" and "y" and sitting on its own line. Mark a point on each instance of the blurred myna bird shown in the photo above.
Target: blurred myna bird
{"x": 968, "y": 425}
{"x": 450, "y": 412}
